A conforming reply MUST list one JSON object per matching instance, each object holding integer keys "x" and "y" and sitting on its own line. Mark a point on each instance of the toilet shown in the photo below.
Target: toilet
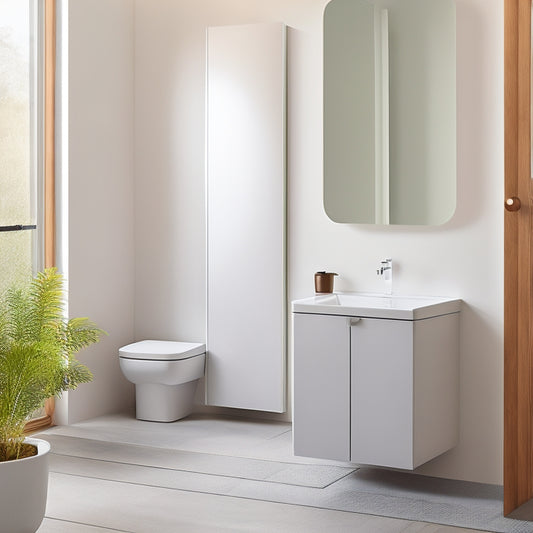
{"x": 165, "y": 374}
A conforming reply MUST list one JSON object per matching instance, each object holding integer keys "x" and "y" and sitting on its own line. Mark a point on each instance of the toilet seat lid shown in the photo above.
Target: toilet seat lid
{"x": 161, "y": 350}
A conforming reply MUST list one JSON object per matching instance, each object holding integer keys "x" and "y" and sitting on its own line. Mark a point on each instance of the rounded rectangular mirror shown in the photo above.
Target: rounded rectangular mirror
{"x": 390, "y": 111}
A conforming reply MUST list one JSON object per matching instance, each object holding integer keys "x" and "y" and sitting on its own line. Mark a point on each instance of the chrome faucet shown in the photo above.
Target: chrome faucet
{"x": 385, "y": 271}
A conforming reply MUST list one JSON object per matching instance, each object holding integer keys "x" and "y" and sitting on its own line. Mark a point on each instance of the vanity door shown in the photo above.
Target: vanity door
{"x": 321, "y": 419}
{"x": 382, "y": 392}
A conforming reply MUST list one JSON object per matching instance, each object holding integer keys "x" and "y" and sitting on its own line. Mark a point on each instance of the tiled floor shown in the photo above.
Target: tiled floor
{"x": 106, "y": 492}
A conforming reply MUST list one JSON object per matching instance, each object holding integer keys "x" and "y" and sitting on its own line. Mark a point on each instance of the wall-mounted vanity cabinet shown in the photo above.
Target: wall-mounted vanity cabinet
{"x": 376, "y": 379}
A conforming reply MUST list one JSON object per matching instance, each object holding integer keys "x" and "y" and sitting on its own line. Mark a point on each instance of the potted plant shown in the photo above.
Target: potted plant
{"x": 37, "y": 361}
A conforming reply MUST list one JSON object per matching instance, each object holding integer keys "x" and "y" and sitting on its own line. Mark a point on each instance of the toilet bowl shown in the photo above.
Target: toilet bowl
{"x": 165, "y": 374}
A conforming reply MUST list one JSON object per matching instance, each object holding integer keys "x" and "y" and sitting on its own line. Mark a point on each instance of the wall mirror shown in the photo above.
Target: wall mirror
{"x": 390, "y": 111}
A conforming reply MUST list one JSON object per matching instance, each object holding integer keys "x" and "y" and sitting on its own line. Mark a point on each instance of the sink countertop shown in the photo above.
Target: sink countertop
{"x": 377, "y": 305}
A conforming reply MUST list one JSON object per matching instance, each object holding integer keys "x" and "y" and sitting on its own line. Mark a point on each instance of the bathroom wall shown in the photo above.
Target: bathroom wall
{"x": 145, "y": 155}
{"x": 462, "y": 258}
{"x": 99, "y": 158}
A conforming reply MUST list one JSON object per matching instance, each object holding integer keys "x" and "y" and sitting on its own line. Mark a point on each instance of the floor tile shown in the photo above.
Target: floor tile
{"x": 141, "y": 509}
{"x": 141, "y": 475}
{"x": 50, "y": 525}
{"x": 421, "y": 527}
{"x": 199, "y": 433}
{"x": 318, "y": 476}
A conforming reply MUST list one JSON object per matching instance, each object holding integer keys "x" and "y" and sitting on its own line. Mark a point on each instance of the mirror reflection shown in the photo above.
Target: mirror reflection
{"x": 389, "y": 111}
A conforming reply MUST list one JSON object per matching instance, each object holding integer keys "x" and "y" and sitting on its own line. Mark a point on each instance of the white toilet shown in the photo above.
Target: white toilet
{"x": 165, "y": 374}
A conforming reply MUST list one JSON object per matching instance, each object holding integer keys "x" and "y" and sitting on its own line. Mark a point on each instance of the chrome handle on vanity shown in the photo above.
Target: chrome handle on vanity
{"x": 353, "y": 321}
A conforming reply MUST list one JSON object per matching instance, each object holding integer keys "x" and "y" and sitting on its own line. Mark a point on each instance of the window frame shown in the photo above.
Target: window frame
{"x": 48, "y": 219}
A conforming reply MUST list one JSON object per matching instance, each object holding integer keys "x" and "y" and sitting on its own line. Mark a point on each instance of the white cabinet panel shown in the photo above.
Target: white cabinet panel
{"x": 436, "y": 386}
{"x": 245, "y": 157}
{"x": 382, "y": 392}
{"x": 321, "y": 418}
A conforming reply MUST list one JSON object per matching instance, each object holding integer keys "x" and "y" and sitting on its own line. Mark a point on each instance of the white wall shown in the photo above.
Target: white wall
{"x": 463, "y": 258}
{"x": 100, "y": 188}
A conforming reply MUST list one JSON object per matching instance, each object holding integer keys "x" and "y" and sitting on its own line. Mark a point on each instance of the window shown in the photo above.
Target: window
{"x": 19, "y": 140}
{"x": 27, "y": 86}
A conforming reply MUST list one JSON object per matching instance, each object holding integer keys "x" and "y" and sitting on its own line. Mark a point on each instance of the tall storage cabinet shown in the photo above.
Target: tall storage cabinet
{"x": 376, "y": 391}
{"x": 245, "y": 158}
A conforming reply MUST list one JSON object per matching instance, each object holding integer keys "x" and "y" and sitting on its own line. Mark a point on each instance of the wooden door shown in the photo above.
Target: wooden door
{"x": 518, "y": 353}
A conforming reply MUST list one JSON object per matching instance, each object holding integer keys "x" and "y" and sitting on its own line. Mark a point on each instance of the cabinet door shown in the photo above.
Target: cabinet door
{"x": 321, "y": 418}
{"x": 246, "y": 296}
{"x": 382, "y": 393}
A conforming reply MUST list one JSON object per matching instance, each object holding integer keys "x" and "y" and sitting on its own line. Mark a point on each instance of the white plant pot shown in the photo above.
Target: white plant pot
{"x": 23, "y": 490}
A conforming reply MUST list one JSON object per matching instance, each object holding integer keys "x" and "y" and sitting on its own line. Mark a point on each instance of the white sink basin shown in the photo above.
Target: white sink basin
{"x": 377, "y": 305}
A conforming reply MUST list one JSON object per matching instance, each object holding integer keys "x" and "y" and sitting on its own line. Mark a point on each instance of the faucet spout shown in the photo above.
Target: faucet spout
{"x": 385, "y": 271}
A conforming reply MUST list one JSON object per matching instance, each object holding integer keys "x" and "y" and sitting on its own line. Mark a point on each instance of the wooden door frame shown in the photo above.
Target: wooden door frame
{"x": 518, "y": 353}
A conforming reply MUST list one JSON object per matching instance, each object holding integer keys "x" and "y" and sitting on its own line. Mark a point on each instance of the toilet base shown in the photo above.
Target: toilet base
{"x": 164, "y": 403}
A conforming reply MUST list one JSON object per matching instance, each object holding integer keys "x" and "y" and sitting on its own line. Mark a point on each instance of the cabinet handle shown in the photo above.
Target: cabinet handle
{"x": 353, "y": 321}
